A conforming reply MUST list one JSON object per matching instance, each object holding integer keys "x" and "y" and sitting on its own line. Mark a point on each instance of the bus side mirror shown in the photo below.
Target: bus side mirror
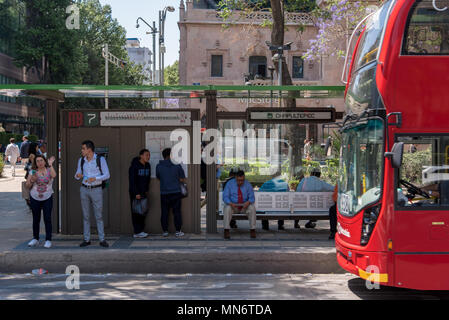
{"x": 396, "y": 154}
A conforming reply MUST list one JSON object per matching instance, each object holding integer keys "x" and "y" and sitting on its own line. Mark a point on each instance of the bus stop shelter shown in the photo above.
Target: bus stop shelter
{"x": 120, "y": 133}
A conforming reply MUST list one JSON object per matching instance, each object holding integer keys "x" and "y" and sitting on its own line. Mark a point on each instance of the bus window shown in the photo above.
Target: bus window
{"x": 424, "y": 174}
{"x": 427, "y": 31}
{"x": 370, "y": 41}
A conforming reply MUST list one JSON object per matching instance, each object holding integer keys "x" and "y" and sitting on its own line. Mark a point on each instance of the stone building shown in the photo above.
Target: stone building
{"x": 140, "y": 55}
{"x": 213, "y": 55}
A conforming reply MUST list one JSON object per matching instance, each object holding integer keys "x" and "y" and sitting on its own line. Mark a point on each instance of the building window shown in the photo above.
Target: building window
{"x": 258, "y": 67}
{"x": 217, "y": 66}
{"x": 298, "y": 68}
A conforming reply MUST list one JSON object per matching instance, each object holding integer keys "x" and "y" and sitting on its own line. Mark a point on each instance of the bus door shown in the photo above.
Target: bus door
{"x": 421, "y": 218}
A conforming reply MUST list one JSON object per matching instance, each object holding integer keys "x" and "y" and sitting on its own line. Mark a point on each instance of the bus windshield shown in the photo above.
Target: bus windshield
{"x": 361, "y": 166}
{"x": 371, "y": 38}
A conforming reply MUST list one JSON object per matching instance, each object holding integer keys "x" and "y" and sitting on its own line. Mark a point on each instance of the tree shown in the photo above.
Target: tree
{"x": 335, "y": 22}
{"x": 63, "y": 56}
{"x": 171, "y": 74}
{"x": 45, "y": 43}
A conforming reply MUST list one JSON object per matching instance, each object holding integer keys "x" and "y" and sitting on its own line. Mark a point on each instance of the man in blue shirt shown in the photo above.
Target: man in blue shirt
{"x": 238, "y": 197}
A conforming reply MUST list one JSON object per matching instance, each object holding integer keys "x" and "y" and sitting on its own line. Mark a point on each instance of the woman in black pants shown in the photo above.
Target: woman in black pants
{"x": 40, "y": 181}
{"x": 139, "y": 184}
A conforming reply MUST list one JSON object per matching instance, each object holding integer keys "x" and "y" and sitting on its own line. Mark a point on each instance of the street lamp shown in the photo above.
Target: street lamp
{"x": 279, "y": 57}
{"x": 153, "y": 32}
{"x": 162, "y": 16}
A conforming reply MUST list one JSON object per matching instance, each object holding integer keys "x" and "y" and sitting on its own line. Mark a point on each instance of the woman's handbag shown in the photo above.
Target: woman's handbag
{"x": 184, "y": 191}
{"x": 140, "y": 206}
{"x": 25, "y": 191}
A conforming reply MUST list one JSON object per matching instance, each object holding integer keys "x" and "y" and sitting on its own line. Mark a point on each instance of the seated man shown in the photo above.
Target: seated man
{"x": 314, "y": 184}
{"x": 238, "y": 197}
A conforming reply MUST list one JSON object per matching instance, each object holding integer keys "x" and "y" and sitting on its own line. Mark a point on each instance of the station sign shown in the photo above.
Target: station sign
{"x": 77, "y": 119}
{"x": 291, "y": 115}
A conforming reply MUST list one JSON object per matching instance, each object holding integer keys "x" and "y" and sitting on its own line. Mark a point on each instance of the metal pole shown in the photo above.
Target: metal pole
{"x": 280, "y": 76}
{"x": 160, "y": 39}
{"x": 106, "y": 76}
{"x": 154, "y": 53}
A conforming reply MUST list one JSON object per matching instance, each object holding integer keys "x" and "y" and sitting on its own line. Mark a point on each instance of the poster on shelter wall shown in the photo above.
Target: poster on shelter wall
{"x": 156, "y": 142}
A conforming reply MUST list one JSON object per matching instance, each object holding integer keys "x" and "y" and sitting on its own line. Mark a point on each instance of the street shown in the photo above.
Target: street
{"x": 203, "y": 287}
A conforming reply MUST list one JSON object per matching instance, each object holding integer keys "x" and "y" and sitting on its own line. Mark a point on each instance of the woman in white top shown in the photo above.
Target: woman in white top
{"x": 40, "y": 181}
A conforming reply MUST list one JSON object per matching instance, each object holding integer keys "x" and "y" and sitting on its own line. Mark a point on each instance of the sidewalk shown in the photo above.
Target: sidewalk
{"x": 289, "y": 251}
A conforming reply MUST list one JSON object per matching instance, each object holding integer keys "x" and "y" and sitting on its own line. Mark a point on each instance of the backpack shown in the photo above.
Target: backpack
{"x": 104, "y": 184}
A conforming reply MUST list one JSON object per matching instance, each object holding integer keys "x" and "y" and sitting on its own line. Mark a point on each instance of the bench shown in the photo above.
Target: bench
{"x": 287, "y": 206}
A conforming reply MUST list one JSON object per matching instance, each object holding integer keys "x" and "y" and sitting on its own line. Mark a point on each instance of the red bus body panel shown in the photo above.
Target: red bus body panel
{"x": 418, "y": 87}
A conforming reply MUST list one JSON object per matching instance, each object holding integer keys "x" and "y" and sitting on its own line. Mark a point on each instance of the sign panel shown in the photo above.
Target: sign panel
{"x": 297, "y": 115}
{"x": 156, "y": 142}
{"x": 145, "y": 118}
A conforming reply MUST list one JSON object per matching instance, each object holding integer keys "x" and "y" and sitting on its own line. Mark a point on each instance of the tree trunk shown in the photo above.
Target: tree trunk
{"x": 293, "y": 131}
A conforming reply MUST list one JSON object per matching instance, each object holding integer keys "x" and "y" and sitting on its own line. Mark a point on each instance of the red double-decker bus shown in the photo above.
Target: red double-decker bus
{"x": 393, "y": 201}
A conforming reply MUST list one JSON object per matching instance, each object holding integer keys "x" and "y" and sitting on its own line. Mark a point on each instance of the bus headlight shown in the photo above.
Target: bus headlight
{"x": 370, "y": 216}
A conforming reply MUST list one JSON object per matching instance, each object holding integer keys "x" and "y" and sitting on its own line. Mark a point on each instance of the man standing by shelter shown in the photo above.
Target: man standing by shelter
{"x": 12, "y": 151}
{"x": 93, "y": 170}
{"x": 171, "y": 176}
{"x": 238, "y": 197}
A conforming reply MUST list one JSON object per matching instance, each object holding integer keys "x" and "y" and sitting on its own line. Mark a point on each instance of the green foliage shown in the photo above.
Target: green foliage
{"x": 4, "y": 138}
{"x": 412, "y": 166}
{"x": 2, "y": 164}
{"x": 171, "y": 74}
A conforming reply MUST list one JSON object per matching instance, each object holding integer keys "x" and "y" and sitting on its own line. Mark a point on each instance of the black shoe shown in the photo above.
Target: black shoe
{"x": 297, "y": 226}
{"x": 310, "y": 225}
{"x": 85, "y": 244}
{"x": 332, "y": 236}
{"x": 265, "y": 225}
{"x": 233, "y": 224}
{"x": 104, "y": 244}
{"x": 281, "y": 227}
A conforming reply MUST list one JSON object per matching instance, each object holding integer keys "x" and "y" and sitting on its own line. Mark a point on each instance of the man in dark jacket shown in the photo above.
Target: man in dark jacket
{"x": 25, "y": 150}
{"x": 139, "y": 183}
{"x": 170, "y": 176}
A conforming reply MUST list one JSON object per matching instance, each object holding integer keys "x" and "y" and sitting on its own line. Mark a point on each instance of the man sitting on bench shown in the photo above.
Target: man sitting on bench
{"x": 238, "y": 197}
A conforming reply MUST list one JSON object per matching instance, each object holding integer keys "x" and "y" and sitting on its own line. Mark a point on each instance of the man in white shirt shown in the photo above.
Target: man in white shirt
{"x": 93, "y": 170}
{"x": 12, "y": 151}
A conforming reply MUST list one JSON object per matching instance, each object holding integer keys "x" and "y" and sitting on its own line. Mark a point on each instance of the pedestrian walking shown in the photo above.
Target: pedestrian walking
{"x": 171, "y": 176}
{"x": 13, "y": 152}
{"x": 40, "y": 183}
{"x": 93, "y": 172}
{"x": 25, "y": 150}
{"x": 139, "y": 184}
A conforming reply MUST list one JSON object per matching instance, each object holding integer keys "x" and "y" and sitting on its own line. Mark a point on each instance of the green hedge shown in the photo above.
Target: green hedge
{"x": 4, "y": 138}
{"x": 2, "y": 164}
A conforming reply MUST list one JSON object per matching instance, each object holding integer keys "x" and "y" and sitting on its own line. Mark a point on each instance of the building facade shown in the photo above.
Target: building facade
{"x": 238, "y": 55}
{"x": 17, "y": 114}
{"x": 140, "y": 55}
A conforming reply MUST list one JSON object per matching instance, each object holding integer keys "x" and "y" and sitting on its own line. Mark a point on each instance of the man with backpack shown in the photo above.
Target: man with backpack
{"x": 93, "y": 171}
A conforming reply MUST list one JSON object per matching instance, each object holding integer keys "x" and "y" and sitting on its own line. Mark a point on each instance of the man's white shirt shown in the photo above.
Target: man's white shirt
{"x": 91, "y": 170}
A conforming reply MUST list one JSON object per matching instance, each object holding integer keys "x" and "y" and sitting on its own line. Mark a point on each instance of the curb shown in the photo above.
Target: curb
{"x": 174, "y": 261}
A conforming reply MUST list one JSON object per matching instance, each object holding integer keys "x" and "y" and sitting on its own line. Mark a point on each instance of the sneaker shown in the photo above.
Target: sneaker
{"x": 33, "y": 243}
{"x": 141, "y": 235}
{"x": 165, "y": 234}
{"x": 104, "y": 244}
{"x": 85, "y": 244}
{"x": 281, "y": 228}
{"x": 47, "y": 244}
{"x": 310, "y": 225}
{"x": 179, "y": 233}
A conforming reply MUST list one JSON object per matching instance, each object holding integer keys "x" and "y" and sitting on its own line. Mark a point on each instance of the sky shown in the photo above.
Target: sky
{"x": 127, "y": 12}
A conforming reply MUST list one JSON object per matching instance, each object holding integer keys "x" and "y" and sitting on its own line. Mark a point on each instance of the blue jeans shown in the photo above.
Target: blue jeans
{"x": 37, "y": 207}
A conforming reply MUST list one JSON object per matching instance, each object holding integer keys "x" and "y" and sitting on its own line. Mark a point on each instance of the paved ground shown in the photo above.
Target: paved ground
{"x": 204, "y": 287}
